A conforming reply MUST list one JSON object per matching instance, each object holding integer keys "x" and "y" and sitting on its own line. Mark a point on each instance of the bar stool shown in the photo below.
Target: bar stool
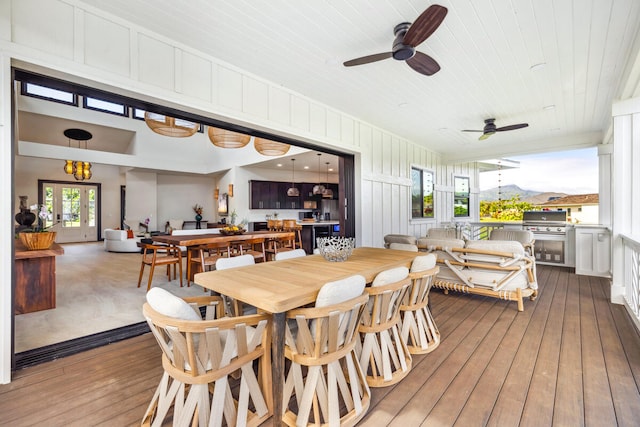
{"x": 198, "y": 357}
{"x": 419, "y": 331}
{"x": 384, "y": 356}
{"x": 320, "y": 341}
{"x": 292, "y": 225}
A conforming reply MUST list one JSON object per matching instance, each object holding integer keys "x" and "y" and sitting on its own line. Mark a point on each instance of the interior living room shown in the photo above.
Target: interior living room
{"x": 389, "y": 106}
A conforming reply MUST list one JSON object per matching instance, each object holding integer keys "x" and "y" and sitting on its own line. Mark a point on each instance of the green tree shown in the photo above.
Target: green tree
{"x": 504, "y": 210}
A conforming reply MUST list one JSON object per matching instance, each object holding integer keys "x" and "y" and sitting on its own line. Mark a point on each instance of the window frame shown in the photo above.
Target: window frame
{"x": 125, "y": 107}
{"x": 422, "y": 171}
{"x": 24, "y": 91}
{"x": 461, "y": 195}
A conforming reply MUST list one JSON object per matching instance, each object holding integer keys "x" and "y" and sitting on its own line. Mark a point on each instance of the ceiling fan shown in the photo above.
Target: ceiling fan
{"x": 490, "y": 128}
{"x": 408, "y": 37}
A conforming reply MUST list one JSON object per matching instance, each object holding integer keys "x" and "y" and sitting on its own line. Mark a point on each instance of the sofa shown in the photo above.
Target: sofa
{"x": 496, "y": 268}
{"x": 117, "y": 241}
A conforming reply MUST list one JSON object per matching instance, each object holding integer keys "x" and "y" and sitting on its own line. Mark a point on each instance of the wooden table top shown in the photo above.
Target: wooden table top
{"x": 203, "y": 239}
{"x": 279, "y": 286}
{"x": 23, "y": 253}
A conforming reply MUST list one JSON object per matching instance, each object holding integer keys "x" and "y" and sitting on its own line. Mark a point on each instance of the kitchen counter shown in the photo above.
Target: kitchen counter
{"x": 316, "y": 223}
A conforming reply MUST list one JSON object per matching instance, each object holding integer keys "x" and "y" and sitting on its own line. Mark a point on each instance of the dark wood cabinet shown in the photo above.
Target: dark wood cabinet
{"x": 273, "y": 195}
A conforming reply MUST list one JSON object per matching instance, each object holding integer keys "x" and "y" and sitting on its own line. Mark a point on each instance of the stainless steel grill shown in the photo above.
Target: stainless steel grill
{"x": 549, "y": 229}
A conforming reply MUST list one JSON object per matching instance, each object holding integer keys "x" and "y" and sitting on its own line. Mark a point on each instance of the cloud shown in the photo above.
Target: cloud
{"x": 571, "y": 172}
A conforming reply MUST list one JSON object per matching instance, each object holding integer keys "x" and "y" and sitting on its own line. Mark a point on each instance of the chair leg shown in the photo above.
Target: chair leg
{"x": 141, "y": 272}
{"x": 150, "y": 277}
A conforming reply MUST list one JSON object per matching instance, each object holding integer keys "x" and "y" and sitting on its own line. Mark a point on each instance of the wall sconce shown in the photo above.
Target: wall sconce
{"x": 216, "y": 193}
{"x": 230, "y": 190}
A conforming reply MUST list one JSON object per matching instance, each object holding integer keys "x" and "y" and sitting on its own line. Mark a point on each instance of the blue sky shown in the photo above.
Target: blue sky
{"x": 571, "y": 172}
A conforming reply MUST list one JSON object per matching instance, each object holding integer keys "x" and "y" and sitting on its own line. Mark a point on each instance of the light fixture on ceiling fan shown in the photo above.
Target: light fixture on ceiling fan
{"x": 293, "y": 191}
{"x": 318, "y": 188}
{"x": 328, "y": 192}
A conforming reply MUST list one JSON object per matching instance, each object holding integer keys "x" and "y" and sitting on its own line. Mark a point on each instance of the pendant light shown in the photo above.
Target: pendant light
{"x": 293, "y": 191}
{"x": 328, "y": 192}
{"x": 318, "y": 188}
{"x": 170, "y": 126}
{"x": 79, "y": 169}
{"x": 270, "y": 148}
{"x": 227, "y": 139}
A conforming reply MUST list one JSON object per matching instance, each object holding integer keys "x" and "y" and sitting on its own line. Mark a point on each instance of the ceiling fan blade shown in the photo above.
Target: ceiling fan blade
{"x": 367, "y": 59}
{"x": 485, "y": 136}
{"x": 424, "y": 64}
{"x": 512, "y": 127}
{"x": 425, "y": 25}
{"x": 471, "y": 130}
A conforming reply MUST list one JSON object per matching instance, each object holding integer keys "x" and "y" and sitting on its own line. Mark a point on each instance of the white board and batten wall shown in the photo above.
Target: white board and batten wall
{"x": 73, "y": 41}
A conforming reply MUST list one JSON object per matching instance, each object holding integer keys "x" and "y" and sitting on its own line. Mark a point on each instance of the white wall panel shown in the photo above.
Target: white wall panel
{"x": 347, "y": 127}
{"x": 317, "y": 120}
{"x": 279, "y": 105}
{"x": 106, "y": 53}
{"x": 333, "y": 125}
{"x": 255, "y": 97}
{"x": 156, "y": 62}
{"x": 229, "y": 88}
{"x": 196, "y": 76}
{"x": 299, "y": 113}
{"x": 49, "y": 29}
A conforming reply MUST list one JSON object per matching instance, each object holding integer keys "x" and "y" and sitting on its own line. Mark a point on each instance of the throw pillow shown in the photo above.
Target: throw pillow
{"x": 129, "y": 234}
{"x": 166, "y": 303}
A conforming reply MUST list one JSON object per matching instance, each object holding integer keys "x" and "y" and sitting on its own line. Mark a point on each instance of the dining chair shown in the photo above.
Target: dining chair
{"x": 280, "y": 244}
{"x": 153, "y": 255}
{"x": 205, "y": 257}
{"x": 198, "y": 356}
{"x": 296, "y": 253}
{"x": 254, "y": 247}
{"x": 419, "y": 330}
{"x": 384, "y": 356}
{"x": 320, "y": 341}
{"x": 234, "y": 307}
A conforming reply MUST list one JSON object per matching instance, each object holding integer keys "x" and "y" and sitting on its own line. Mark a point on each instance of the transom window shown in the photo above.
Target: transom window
{"x": 50, "y": 94}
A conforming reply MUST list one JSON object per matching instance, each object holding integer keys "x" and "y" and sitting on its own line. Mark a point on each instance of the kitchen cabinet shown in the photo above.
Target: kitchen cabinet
{"x": 593, "y": 251}
{"x": 273, "y": 195}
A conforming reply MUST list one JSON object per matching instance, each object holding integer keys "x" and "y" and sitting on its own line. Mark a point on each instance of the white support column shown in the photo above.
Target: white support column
{"x": 625, "y": 187}
{"x": 6, "y": 218}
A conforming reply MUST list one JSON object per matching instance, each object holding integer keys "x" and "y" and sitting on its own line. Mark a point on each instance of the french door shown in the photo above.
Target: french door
{"x": 72, "y": 209}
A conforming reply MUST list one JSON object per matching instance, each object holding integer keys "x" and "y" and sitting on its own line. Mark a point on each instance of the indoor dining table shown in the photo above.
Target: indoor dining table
{"x": 279, "y": 286}
{"x": 203, "y": 239}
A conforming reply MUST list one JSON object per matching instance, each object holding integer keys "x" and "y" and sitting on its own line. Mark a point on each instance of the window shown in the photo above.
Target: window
{"x": 461, "y": 196}
{"x": 421, "y": 193}
{"x": 50, "y": 94}
{"x": 106, "y": 106}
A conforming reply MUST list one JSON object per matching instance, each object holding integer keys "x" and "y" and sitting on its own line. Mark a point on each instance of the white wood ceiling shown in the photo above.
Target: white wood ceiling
{"x": 486, "y": 50}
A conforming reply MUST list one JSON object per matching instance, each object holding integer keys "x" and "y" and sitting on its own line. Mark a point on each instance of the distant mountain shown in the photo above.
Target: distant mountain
{"x": 509, "y": 191}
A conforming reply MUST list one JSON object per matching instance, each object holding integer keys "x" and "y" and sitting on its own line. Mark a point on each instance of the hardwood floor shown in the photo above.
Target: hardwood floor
{"x": 570, "y": 359}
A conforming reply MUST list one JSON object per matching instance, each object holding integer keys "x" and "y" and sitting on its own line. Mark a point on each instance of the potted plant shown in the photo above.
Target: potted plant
{"x": 38, "y": 237}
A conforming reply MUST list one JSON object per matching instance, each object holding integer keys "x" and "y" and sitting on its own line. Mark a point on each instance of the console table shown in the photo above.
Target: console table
{"x": 35, "y": 278}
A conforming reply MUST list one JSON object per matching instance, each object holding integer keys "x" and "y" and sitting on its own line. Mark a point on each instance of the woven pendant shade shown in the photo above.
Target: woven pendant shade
{"x": 270, "y": 148}
{"x": 227, "y": 139}
{"x": 170, "y": 126}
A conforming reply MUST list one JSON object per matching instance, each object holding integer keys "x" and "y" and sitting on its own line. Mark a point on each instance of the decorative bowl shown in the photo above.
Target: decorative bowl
{"x": 38, "y": 240}
{"x": 231, "y": 231}
{"x": 335, "y": 249}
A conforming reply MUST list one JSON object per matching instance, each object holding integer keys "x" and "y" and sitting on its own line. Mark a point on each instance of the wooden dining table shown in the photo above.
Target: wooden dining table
{"x": 279, "y": 286}
{"x": 203, "y": 239}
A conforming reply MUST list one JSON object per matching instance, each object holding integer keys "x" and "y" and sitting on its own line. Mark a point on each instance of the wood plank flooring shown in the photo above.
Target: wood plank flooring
{"x": 570, "y": 359}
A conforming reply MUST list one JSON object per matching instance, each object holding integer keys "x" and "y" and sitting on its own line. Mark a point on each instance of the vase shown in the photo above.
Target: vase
{"x": 198, "y": 219}
{"x": 25, "y": 217}
{"x": 37, "y": 241}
